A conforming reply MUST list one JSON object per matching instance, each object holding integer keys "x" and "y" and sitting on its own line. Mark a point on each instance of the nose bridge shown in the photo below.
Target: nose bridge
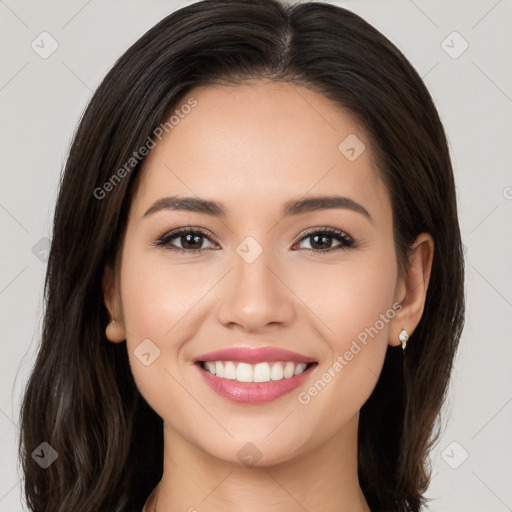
{"x": 255, "y": 296}
{"x": 254, "y": 282}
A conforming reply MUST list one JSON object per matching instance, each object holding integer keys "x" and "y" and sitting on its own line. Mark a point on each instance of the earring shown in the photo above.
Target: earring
{"x": 403, "y": 337}
{"x": 113, "y": 322}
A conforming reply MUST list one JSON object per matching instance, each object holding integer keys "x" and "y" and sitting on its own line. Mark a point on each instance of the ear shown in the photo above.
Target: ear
{"x": 411, "y": 290}
{"x": 114, "y": 331}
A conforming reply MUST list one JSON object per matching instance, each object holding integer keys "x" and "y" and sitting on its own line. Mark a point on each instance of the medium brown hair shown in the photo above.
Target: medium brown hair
{"x": 81, "y": 397}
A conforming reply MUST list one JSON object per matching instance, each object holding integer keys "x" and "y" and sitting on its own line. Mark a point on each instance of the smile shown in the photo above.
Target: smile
{"x": 257, "y": 388}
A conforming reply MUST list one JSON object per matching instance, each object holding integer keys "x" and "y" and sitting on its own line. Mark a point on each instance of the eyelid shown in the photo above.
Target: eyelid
{"x": 324, "y": 229}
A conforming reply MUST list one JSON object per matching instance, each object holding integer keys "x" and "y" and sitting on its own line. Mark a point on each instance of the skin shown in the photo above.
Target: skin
{"x": 252, "y": 148}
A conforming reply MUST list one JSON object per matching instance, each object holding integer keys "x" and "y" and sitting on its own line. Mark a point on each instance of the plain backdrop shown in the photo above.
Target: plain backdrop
{"x": 42, "y": 97}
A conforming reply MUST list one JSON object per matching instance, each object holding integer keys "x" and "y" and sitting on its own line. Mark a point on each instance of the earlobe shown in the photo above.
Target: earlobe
{"x": 114, "y": 330}
{"x": 412, "y": 292}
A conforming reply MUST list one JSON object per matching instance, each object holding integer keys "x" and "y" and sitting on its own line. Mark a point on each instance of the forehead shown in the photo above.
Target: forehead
{"x": 258, "y": 143}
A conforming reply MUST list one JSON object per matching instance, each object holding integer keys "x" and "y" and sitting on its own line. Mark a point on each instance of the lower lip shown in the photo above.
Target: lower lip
{"x": 253, "y": 392}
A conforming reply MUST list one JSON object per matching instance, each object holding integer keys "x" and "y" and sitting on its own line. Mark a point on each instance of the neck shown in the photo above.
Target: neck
{"x": 152, "y": 501}
{"x": 324, "y": 478}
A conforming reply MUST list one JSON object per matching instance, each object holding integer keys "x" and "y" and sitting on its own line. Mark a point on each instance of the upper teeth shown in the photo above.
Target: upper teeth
{"x": 261, "y": 372}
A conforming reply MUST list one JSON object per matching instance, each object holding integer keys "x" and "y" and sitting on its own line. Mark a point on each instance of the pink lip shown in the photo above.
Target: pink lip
{"x": 254, "y": 355}
{"x": 253, "y": 392}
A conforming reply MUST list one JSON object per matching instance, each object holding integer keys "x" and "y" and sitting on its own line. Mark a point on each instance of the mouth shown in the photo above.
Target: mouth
{"x": 259, "y": 383}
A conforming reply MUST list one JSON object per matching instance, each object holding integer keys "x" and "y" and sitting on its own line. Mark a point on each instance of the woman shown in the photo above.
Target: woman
{"x": 254, "y": 292}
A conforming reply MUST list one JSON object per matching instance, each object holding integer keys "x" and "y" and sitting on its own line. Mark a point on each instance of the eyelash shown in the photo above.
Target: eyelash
{"x": 347, "y": 242}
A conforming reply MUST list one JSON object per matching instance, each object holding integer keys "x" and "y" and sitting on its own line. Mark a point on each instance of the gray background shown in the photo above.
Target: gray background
{"x": 41, "y": 100}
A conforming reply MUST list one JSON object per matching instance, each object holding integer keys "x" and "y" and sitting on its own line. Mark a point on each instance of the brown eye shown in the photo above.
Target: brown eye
{"x": 321, "y": 240}
{"x": 190, "y": 240}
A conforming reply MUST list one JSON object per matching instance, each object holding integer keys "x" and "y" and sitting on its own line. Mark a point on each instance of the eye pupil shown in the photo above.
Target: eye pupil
{"x": 192, "y": 241}
{"x": 323, "y": 244}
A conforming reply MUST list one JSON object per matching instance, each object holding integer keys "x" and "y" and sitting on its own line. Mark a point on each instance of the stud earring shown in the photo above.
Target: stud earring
{"x": 403, "y": 337}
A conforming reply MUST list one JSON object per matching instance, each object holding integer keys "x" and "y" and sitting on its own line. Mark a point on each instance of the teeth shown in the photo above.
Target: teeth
{"x": 244, "y": 373}
{"x": 230, "y": 370}
{"x": 260, "y": 372}
{"x": 210, "y": 366}
{"x": 288, "y": 370}
{"x": 277, "y": 372}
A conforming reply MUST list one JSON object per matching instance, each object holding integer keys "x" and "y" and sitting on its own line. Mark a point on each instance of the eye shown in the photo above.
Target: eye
{"x": 190, "y": 240}
{"x": 321, "y": 240}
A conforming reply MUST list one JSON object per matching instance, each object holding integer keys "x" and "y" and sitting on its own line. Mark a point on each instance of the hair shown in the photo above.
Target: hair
{"x": 81, "y": 397}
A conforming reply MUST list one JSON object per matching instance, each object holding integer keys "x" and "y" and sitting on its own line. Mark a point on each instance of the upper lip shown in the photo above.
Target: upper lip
{"x": 254, "y": 355}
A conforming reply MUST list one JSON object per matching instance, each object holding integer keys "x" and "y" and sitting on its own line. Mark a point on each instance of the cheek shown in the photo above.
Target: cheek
{"x": 356, "y": 305}
{"x": 361, "y": 301}
{"x": 159, "y": 296}
{"x": 157, "y": 302}
{"x": 350, "y": 296}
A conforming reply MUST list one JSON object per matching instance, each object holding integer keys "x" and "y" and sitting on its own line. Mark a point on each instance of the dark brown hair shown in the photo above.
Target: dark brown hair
{"x": 81, "y": 397}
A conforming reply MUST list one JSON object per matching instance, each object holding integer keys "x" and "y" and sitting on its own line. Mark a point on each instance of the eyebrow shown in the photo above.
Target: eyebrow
{"x": 290, "y": 208}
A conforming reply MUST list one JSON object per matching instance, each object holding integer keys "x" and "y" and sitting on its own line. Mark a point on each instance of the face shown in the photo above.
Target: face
{"x": 258, "y": 276}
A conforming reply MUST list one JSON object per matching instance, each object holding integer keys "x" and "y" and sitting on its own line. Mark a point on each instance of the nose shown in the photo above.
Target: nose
{"x": 255, "y": 296}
